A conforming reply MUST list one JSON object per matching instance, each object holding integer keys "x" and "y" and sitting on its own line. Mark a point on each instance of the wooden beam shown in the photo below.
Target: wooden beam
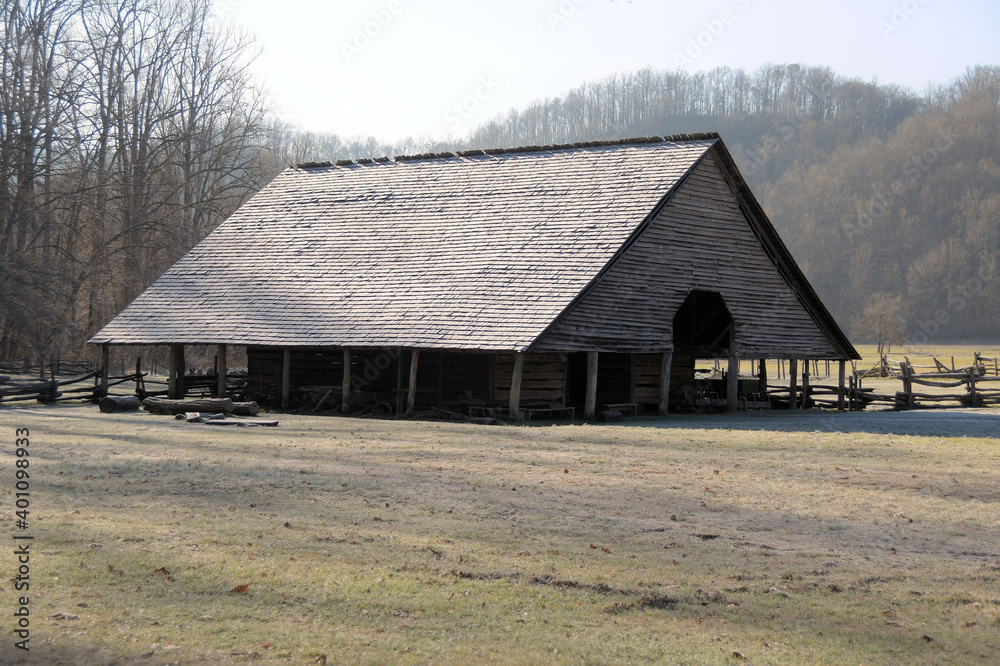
{"x": 665, "y": 367}
{"x": 793, "y": 383}
{"x": 220, "y": 388}
{"x": 411, "y": 395}
{"x": 345, "y": 402}
{"x": 175, "y": 382}
{"x": 805, "y": 385}
{"x": 286, "y": 377}
{"x": 842, "y": 372}
{"x": 590, "y": 405}
{"x": 762, "y": 375}
{"x": 399, "y": 382}
{"x": 732, "y": 384}
{"x": 515, "y": 387}
{"x": 105, "y": 365}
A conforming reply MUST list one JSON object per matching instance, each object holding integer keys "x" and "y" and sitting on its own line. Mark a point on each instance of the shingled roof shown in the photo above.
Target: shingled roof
{"x": 478, "y": 250}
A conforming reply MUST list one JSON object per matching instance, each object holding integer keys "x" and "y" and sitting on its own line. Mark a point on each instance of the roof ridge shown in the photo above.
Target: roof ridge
{"x": 492, "y": 152}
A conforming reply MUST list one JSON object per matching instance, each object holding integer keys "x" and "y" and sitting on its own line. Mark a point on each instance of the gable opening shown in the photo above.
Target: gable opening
{"x": 703, "y": 327}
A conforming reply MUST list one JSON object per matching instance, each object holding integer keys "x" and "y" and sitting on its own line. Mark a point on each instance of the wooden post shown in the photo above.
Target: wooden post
{"x": 345, "y": 401}
{"x": 665, "y": 367}
{"x": 842, "y": 373}
{"x": 286, "y": 377}
{"x": 793, "y": 383}
{"x": 805, "y": 385}
{"x": 222, "y": 372}
{"x": 399, "y": 382}
{"x": 762, "y": 375}
{"x": 972, "y": 387}
{"x": 733, "y": 384}
{"x": 515, "y": 387}
{"x": 175, "y": 383}
{"x": 590, "y": 404}
{"x": 411, "y": 395}
{"x": 105, "y": 365}
{"x": 138, "y": 375}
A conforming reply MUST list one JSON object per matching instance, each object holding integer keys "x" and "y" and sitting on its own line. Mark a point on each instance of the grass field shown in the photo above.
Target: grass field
{"x": 761, "y": 538}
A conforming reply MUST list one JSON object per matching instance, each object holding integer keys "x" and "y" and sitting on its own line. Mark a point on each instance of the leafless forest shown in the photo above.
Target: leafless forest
{"x": 130, "y": 129}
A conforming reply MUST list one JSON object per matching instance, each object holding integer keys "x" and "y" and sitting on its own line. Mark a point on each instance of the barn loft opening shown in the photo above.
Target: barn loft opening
{"x": 703, "y": 327}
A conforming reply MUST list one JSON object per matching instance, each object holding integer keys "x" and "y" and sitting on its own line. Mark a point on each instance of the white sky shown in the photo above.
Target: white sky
{"x": 427, "y": 56}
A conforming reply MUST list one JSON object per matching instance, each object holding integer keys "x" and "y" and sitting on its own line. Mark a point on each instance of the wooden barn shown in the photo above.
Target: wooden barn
{"x": 554, "y": 280}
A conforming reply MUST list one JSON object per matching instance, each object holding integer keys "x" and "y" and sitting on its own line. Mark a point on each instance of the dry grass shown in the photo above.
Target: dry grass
{"x": 781, "y": 538}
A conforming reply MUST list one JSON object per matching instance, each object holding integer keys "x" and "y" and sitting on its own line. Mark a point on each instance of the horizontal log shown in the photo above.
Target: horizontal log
{"x": 171, "y": 407}
{"x": 113, "y": 404}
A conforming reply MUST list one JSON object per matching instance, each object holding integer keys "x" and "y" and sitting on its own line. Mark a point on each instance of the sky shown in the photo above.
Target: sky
{"x": 439, "y": 68}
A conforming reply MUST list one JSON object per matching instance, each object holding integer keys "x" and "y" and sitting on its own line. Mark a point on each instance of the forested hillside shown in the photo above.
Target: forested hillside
{"x": 130, "y": 130}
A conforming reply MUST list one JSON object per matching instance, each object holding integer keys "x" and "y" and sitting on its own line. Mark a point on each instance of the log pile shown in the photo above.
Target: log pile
{"x": 169, "y": 407}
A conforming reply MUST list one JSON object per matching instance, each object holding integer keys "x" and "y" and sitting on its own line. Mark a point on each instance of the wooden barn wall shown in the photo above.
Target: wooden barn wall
{"x": 542, "y": 382}
{"x": 309, "y": 367}
{"x": 700, "y": 240}
{"x": 443, "y": 378}
{"x": 449, "y": 379}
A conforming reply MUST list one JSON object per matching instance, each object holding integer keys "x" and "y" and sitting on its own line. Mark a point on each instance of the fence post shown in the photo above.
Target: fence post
{"x": 973, "y": 398}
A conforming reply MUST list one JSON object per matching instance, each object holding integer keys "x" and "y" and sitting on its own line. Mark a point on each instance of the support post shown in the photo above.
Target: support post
{"x": 666, "y": 365}
{"x": 590, "y": 405}
{"x": 732, "y": 384}
{"x": 793, "y": 383}
{"x": 222, "y": 372}
{"x": 175, "y": 383}
{"x": 762, "y": 376}
{"x": 515, "y": 387}
{"x": 973, "y": 397}
{"x": 841, "y": 374}
{"x": 399, "y": 381}
{"x": 286, "y": 377}
{"x": 805, "y": 385}
{"x": 411, "y": 395}
{"x": 345, "y": 402}
{"x": 105, "y": 364}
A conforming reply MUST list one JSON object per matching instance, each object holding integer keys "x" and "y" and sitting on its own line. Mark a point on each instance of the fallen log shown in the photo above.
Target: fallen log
{"x": 113, "y": 404}
{"x": 170, "y": 407}
{"x": 245, "y": 409}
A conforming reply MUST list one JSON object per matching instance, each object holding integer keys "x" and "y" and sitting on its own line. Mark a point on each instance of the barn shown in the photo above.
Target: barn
{"x": 538, "y": 281}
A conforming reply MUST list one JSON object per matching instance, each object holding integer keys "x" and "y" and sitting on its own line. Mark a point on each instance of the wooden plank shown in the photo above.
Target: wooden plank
{"x": 665, "y": 367}
{"x": 732, "y": 384}
{"x": 286, "y": 377}
{"x": 411, "y": 395}
{"x": 590, "y": 404}
{"x": 515, "y": 387}
{"x": 345, "y": 400}
{"x": 222, "y": 372}
{"x": 793, "y": 385}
